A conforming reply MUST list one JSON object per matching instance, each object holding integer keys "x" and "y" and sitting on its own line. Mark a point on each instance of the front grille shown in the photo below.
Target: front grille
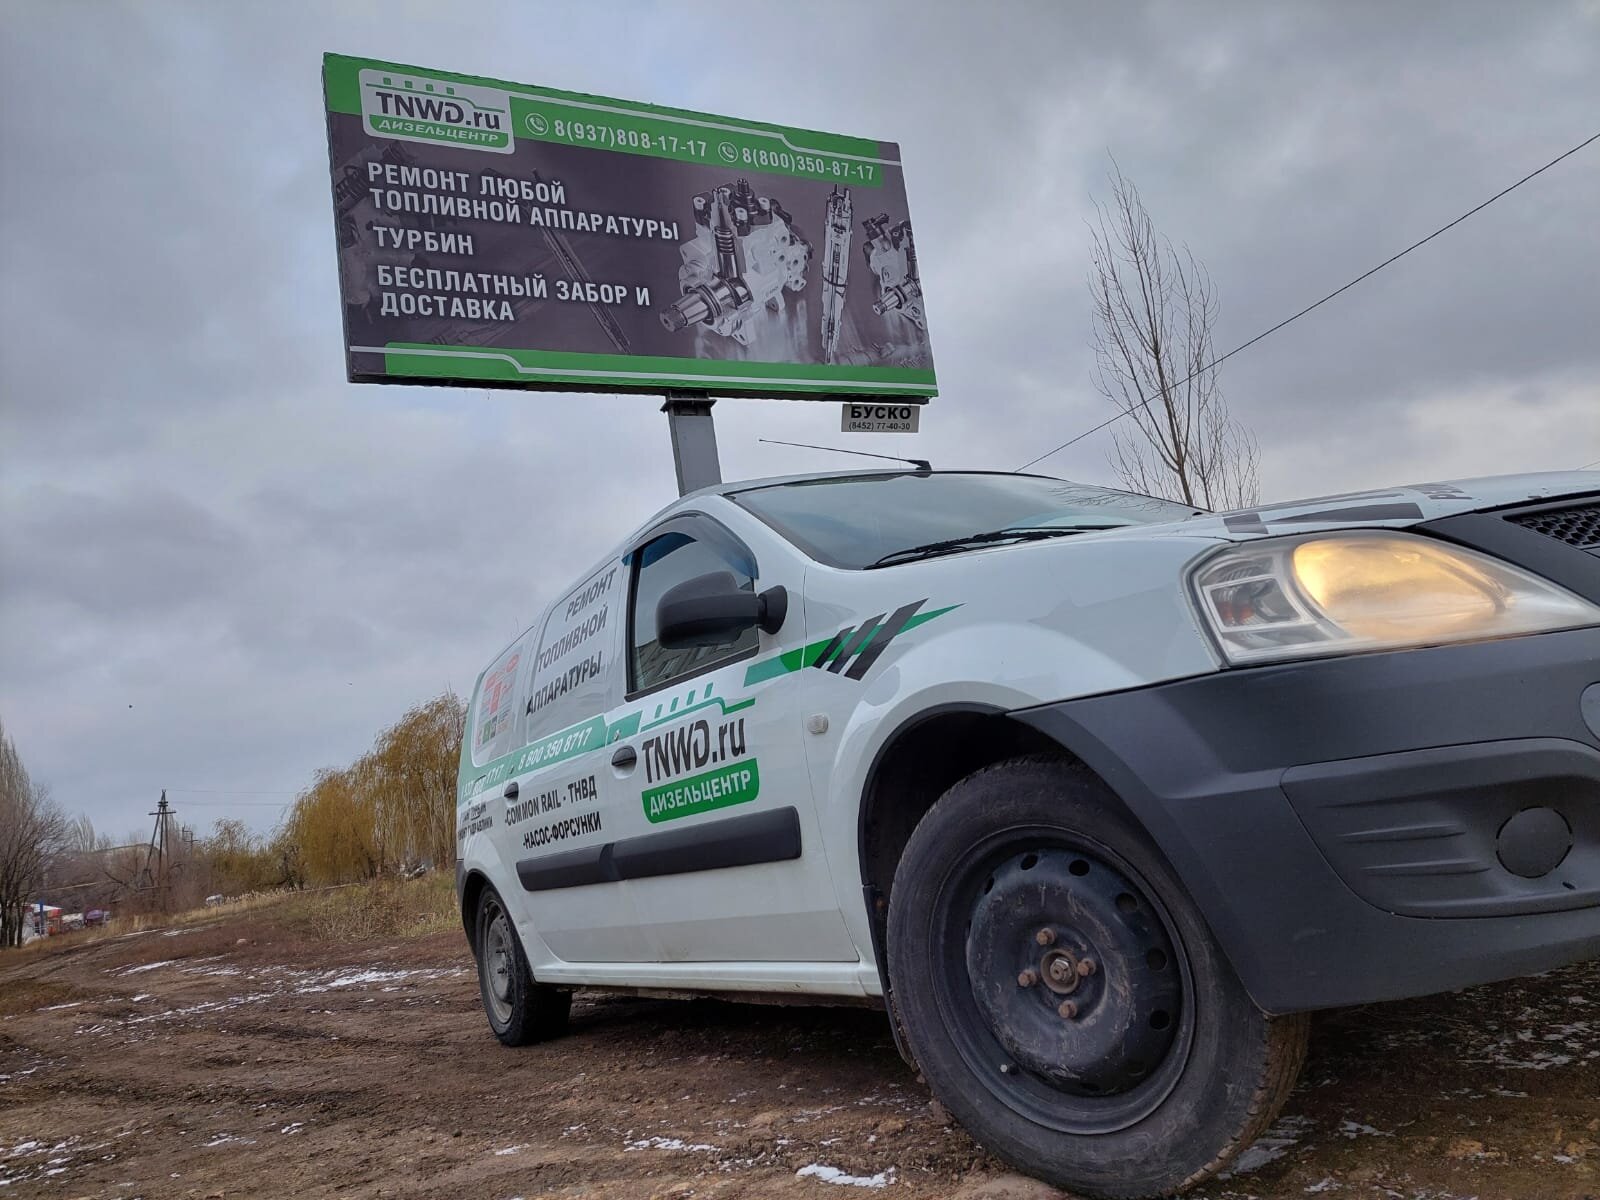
{"x": 1577, "y": 526}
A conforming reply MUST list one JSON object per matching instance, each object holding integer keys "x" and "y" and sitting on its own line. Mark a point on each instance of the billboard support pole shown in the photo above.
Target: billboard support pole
{"x": 694, "y": 441}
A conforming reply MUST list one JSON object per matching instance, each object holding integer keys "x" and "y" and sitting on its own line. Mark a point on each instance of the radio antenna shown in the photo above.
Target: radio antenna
{"x": 920, "y": 464}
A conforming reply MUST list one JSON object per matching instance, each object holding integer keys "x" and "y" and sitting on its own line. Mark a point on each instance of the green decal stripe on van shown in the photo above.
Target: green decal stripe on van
{"x": 736, "y": 783}
{"x": 594, "y": 733}
{"x": 552, "y": 748}
{"x": 714, "y": 702}
{"x": 806, "y": 656}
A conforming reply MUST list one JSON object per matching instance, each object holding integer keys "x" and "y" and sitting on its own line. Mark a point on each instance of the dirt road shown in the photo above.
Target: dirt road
{"x": 182, "y": 1063}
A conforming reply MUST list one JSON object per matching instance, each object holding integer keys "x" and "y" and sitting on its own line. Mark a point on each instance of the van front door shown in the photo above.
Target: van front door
{"x": 719, "y": 841}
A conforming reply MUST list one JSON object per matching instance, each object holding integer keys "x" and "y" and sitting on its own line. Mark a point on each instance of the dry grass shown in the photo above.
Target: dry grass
{"x": 377, "y": 911}
{"x": 381, "y": 910}
{"x": 25, "y": 995}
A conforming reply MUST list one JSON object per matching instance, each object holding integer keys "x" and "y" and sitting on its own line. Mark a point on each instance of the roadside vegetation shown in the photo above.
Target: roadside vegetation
{"x": 382, "y": 820}
{"x": 390, "y": 810}
{"x": 32, "y": 832}
{"x": 373, "y": 912}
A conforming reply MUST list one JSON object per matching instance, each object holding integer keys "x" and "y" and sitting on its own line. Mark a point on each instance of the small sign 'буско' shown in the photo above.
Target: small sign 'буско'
{"x": 880, "y": 418}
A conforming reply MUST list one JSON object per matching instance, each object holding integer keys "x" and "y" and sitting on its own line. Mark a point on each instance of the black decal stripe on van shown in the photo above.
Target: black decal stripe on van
{"x": 741, "y": 841}
{"x": 880, "y": 642}
{"x": 838, "y": 639}
{"x": 854, "y": 644}
{"x": 1364, "y": 512}
{"x": 1249, "y": 522}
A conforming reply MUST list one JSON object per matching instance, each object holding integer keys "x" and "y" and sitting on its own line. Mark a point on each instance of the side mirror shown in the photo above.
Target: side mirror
{"x": 713, "y": 610}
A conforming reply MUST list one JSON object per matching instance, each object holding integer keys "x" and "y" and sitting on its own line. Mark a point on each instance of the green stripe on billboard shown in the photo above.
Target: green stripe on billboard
{"x": 652, "y": 374}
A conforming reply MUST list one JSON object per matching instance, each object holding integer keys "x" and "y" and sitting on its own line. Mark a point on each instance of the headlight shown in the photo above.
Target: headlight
{"x": 1338, "y": 593}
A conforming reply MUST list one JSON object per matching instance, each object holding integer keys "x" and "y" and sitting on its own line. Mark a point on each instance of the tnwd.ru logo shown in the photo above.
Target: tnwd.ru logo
{"x": 416, "y": 109}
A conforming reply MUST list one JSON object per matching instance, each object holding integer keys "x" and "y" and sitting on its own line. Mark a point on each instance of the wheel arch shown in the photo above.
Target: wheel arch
{"x": 916, "y": 764}
{"x": 472, "y": 884}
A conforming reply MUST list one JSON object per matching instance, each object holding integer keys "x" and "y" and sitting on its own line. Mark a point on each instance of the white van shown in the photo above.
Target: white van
{"x": 1098, "y": 795}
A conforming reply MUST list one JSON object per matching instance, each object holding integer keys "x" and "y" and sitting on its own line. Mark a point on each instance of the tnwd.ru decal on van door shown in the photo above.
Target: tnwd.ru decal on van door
{"x": 694, "y": 746}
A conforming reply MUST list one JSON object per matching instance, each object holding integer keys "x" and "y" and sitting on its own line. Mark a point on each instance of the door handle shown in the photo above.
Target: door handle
{"x": 511, "y": 790}
{"x": 625, "y": 758}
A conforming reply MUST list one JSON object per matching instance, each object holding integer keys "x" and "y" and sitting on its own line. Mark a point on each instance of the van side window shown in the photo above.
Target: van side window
{"x": 663, "y": 563}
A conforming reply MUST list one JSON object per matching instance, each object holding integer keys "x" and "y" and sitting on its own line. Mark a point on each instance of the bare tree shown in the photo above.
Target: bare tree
{"x": 1153, "y": 312}
{"x": 32, "y": 832}
{"x": 80, "y": 836}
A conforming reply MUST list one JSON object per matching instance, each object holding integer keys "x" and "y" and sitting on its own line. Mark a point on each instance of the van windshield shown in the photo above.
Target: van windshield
{"x": 864, "y": 521}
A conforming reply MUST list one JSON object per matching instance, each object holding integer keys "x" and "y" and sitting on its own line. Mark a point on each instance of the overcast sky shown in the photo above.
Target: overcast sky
{"x": 222, "y": 566}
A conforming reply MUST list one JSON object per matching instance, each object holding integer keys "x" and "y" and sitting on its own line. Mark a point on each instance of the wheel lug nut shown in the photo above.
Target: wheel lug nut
{"x": 1086, "y": 967}
{"x": 1045, "y": 937}
{"x": 1068, "y": 1009}
{"x": 1028, "y": 978}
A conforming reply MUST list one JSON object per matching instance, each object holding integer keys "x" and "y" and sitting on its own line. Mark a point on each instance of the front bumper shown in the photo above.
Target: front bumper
{"x": 1355, "y": 829}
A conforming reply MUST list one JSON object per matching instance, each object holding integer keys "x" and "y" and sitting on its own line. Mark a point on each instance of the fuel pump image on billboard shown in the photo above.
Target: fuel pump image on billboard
{"x": 499, "y": 233}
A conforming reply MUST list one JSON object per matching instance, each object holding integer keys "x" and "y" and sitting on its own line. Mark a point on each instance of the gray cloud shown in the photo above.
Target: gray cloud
{"x": 222, "y": 567}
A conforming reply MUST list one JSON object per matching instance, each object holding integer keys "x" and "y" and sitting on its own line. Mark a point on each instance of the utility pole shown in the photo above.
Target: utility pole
{"x": 159, "y": 881}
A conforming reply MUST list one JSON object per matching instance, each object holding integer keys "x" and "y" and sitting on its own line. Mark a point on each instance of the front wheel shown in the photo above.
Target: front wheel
{"x": 520, "y": 1010}
{"x": 1063, "y": 997}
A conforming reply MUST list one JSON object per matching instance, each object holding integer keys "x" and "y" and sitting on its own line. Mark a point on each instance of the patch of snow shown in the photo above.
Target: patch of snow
{"x": 207, "y": 1006}
{"x": 510, "y": 1150}
{"x": 166, "y": 962}
{"x": 1272, "y": 1145}
{"x": 293, "y": 1127}
{"x": 1354, "y": 1129}
{"x": 661, "y": 1143}
{"x": 139, "y": 997}
{"x": 223, "y": 1139}
{"x": 834, "y": 1175}
{"x": 58, "y": 1007}
{"x": 352, "y": 977}
{"x": 1324, "y": 1185}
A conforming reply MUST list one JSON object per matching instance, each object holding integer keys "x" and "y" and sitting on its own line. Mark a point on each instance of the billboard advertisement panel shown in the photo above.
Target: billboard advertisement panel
{"x": 495, "y": 233}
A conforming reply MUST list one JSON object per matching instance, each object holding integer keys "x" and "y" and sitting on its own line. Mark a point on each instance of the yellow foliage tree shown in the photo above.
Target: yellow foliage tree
{"x": 392, "y": 808}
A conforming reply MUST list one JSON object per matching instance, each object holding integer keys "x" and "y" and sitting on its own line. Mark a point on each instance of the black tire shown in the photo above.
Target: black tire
{"x": 520, "y": 1010}
{"x": 1139, "y": 1074}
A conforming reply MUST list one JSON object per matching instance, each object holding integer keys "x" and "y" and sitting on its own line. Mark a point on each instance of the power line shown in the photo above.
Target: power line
{"x": 1143, "y": 401}
{"x": 230, "y": 792}
{"x": 237, "y": 803}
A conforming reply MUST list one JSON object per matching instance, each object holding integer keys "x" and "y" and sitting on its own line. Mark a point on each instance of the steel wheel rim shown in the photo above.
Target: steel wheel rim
{"x": 1019, "y": 1084}
{"x": 499, "y": 965}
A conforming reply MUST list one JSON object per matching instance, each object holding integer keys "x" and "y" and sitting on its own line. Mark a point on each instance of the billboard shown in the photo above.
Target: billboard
{"x": 500, "y": 233}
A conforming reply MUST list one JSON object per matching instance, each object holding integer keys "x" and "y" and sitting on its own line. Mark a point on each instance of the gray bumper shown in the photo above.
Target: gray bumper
{"x": 1352, "y": 828}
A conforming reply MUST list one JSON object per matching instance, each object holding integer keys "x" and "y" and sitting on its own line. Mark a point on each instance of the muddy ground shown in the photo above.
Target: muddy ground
{"x": 182, "y": 1063}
